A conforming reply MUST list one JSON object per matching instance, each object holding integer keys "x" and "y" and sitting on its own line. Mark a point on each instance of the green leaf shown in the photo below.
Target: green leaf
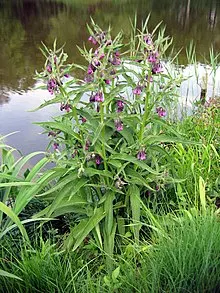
{"x": 9, "y": 275}
{"x": 108, "y": 207}
{"x": 6, "y": 210}
{"x": 20, "y": 164}
{"x": 24, "y": 197}
{"x": 36, "y": 169}
{"x": 136, "y": 178}
{"x": 202, "y": 193}
{"x": 77, "y": 186}
{"x": 91, "y": 172}
{"x": 115, "y": 163}
{"x": 129, "y": 158}
{"x": 128, "y": 135}
{"x": 19, "y": 183}
{"x": 60, "y": 184}
{"x": 134, "y": 194}
{"x": 97, "y": 133}
{"x": 151, "y": 139}
{"x": 87, "y": 226}
{"x": 60, "y": 126}
{"x": 115, "y": 274}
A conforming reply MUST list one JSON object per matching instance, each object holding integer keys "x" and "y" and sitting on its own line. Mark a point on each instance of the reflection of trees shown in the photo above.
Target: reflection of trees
{"x": 25, "y": 23}
{"x": 12, "y": 36}
{"x": 4, "y": 98}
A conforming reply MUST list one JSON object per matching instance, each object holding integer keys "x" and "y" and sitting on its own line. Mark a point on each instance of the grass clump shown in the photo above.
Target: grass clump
{"x": 185, "y": 258}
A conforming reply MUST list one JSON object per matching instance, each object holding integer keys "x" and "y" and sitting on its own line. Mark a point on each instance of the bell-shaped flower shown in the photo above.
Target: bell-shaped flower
{"x": 141, "y": 155}
{"x": 138, "y": 90}
{"x": 118, "y": 125}
{"x": 161, "y": 112}
{"x": 157, "y": 68}
{"x": 120, "y": 106}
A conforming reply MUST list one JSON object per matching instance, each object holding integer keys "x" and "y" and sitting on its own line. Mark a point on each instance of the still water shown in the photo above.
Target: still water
{"x": 25, "y": 23}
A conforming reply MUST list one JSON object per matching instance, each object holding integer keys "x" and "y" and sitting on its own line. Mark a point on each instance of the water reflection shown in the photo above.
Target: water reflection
{"x": 4, "y": 98}
{"x": 25, "y": 23}
{"x": 16, "y": 117}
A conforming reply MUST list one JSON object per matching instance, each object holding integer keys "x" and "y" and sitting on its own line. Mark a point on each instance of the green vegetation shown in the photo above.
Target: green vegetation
{"x": 131, "y": 203}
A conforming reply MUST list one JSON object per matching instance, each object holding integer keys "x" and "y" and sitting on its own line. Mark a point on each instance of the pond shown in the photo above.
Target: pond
{"x": 25, "y": 23}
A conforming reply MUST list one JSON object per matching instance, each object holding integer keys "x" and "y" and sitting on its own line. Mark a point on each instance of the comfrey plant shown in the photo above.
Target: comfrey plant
{"x": 109, "y": 141}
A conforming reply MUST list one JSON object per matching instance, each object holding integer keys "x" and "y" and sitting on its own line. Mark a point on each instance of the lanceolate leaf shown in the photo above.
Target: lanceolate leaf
{"x": 9, "y": 275}
{"x": 134, "y": 194}
{"x": 81, "y": 231}
{"x": 89, "y": 226}
{"x": 6, "y": 210}
{"x": 128, "y": 158}
{"x": 60, "y": 126}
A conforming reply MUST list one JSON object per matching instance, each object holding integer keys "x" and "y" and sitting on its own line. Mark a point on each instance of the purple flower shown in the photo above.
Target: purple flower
{"x": 153, "y": 57}
{"x": 116, "y": 61}
{"x": 141, "y": 155}
{"x": 99, "y": 97}
{"x": 118, "y": 125}
{"x": 83, "y": 119}
{"x": 67, "y": 75}
{"x": 161, "y": 112}
{"x": 101, "y": 56}
{"x": 92, "y": 98}
{"x": 108, "y": 42}
{"x": 49, "y": 68}
{"x": 107, "y": 81}
{"x": 55, "y": 146}
{"x": 89, "y": 78}
{"x": 147, "y": 193}
{"x": 98, "y": 160}
{"x": 51, "y": 85}
{"x": 66, "y": 107}
{"x": 148, "y": 39}
{"x": 96, "y": 63}
{"x": 147, "y": 78}
{"x": 113, "y": 72}
{"x": 91, "y": 69}
{"x": 157, "y": 68}
{"x": 74, "y": 153}
{"x": 120, "y": 106}
{"x": 138, "y": 90}
{"x": 92, "y": 40}
{"x": 96, "y": 53}
{"x": 52, "y": 133}
{"x": 87, "y": 145}
{"x": 100, "y": 36}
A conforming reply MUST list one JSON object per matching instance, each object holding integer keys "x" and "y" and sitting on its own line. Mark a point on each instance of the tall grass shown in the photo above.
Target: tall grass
{"x": 44, "y": 269}
{"x": 184, "y": 259}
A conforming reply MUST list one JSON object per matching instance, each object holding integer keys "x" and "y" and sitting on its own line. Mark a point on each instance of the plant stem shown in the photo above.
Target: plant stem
{"x": 146, "y": 112}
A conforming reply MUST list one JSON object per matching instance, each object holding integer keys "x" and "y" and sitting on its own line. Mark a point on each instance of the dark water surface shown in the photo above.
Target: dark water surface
{"x": 25, "y": 23}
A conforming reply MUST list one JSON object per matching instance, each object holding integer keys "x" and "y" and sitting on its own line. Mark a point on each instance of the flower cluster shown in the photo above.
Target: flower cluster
{"x": 161, "y": 112}
{"x": 97, "y": 97}
{"x": 150, "y": 56}
{"x": 52, "y": 85}
{"x": 67, "y": 107}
